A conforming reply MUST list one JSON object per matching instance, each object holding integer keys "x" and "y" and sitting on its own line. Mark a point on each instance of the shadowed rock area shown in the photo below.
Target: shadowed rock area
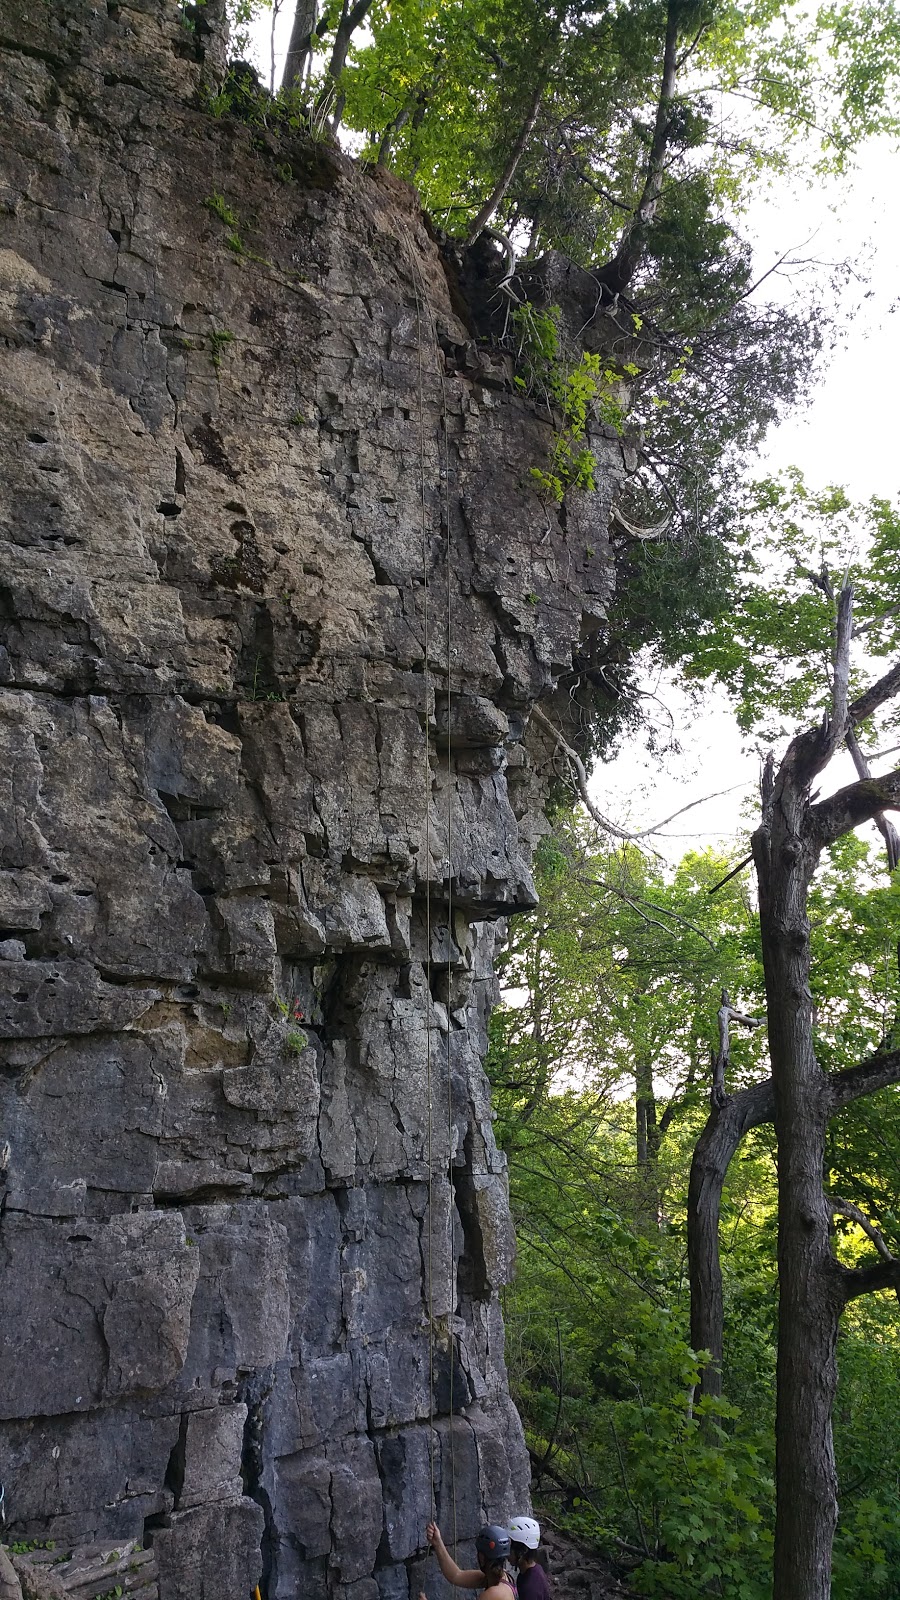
{"x": 277, "y": 597}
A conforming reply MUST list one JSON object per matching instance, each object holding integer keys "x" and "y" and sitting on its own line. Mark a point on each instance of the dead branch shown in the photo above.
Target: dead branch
{"x": 884, "y": 689}
{"x": 581, "y": 777}
{"x": 885, "y": 828}
{"x": 732, "y": 874}
{"x": 727, "y": 1014}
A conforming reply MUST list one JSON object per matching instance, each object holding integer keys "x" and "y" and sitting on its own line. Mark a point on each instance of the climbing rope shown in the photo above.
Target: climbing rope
{"x": 426, "y": 799}
{"x": 423, "y": 507}
{"x": 451, "y": 1298}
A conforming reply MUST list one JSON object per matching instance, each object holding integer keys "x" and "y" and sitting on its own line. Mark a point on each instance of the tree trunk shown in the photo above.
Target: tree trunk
{"x": 813, "y": 1286}
{"x": 809, "y": 1302}
{"x": 645, "y": 1109}
{"x": 647, "y": 1143}
{"x": 352, "y": 17}
{"x": 618, "y": 273}
{"x": 301, "y": 45}
{"x": 509, "y": 171}
{"x": 712, "y": 1157}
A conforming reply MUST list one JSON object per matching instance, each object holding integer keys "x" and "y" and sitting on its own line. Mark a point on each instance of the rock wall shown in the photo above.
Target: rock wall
{"x": 276, "y": 600}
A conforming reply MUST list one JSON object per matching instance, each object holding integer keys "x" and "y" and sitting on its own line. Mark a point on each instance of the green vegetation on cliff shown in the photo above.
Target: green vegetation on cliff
{"x": 628, "y": 138}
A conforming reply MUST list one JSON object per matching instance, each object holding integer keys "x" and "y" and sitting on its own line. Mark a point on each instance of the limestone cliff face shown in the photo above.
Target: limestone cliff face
{"x": 261, "y": 808}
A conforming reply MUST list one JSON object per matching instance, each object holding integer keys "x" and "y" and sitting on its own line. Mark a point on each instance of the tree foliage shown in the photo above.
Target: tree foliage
{"x": 680, "y": 1493}
{"x": 443, "y": 89}
{"x": 773, "y": 650}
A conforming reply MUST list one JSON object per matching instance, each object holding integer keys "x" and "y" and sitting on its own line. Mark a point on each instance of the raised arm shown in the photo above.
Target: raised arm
{"x": 472, "y": 1579}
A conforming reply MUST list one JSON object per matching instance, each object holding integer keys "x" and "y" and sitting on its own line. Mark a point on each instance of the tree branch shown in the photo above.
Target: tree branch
{"x": 861, "y": 1280}
{"x": 854, "y": 1083}
{"x": 856, "y": 803}
{"x": 810, "y": 751}
{"x": 727, "y": 1014}
{"x": 884, "y": 689}
{"x": 855, "y": 1281}
{"x": 885, "y": 828}
{"x": 581, "y": 777}
{"x": 640, "y": 905}
{"x": 732, "y": 874}
{"x": 846, "y": 1208}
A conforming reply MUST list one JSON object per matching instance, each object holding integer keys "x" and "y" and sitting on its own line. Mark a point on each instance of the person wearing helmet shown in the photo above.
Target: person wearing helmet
{"x": 525, "y": 1538}
{"x": 492, "y": 1546}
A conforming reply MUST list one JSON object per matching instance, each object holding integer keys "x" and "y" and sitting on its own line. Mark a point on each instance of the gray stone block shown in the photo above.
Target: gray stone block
{"x": 213, "y": 1442}
{"x": 91, "y": 1311}
{"x": 210, "y": 1551}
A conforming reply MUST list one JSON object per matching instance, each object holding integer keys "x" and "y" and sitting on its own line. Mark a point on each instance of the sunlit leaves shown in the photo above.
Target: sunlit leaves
{"x": 772, "y": 649}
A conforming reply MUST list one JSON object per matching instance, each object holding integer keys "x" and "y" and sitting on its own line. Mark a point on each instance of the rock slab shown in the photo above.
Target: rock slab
{"x": 277, "y": 596}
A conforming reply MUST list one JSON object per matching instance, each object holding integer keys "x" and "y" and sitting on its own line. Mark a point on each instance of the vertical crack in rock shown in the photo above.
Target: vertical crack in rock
{"x": 255, "y": 1392}
{"x": 229, "y": 788}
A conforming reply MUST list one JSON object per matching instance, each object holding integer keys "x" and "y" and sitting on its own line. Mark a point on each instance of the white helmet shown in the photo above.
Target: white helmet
{"x": 524, "y": 1530}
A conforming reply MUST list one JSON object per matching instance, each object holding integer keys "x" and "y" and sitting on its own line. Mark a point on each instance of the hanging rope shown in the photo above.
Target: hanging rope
{"x": 426, "y": 800}
{"x": 423, "y": 506}
{"x": 451, "y": 1297}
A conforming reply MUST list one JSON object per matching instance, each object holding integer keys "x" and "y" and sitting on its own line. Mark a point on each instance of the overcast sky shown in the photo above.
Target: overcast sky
{"x": 848, "y": 435}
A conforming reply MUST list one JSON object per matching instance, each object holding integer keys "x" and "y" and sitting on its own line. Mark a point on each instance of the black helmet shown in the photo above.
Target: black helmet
{"x": 492, "y": 1542}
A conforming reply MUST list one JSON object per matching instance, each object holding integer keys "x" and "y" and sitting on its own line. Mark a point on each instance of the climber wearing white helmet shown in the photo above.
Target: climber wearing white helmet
{"x": 524, "y": 1539}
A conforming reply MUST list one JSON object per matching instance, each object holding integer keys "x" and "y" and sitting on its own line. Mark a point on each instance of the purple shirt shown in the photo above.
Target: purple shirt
{"x": 532, "y": 1584}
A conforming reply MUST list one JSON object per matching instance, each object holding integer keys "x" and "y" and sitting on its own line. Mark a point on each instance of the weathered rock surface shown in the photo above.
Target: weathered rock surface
{"x": 277, "y": 597}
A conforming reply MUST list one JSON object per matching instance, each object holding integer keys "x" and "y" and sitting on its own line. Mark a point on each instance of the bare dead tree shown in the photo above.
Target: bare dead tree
{"x": 813, "y": 1286}
{"x": 752, "y": 1107}
{"x": 732, "y": 1117}
{"x": 727, "y": 1014}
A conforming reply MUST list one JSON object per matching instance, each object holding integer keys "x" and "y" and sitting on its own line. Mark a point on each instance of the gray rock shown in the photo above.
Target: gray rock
{"x": 242, "y": 778}
{"x": 103, "y": 1309}
{"x": 205, "y": 1549}
{"x": 213, "y": 1444}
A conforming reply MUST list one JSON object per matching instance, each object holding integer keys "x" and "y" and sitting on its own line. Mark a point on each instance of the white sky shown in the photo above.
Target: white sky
{"x": 847, "y": 435}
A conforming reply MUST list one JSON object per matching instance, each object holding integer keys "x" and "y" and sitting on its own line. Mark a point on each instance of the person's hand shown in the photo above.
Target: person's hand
{"x": 433, "y": 1535}
{"x": 422, "y": 1596}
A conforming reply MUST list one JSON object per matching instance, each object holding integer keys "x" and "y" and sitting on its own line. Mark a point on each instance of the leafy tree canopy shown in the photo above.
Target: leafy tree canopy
{"x": 771, "y": 647}
{"x": 599, "y": 1065}
{"x": 443, "y": 90}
